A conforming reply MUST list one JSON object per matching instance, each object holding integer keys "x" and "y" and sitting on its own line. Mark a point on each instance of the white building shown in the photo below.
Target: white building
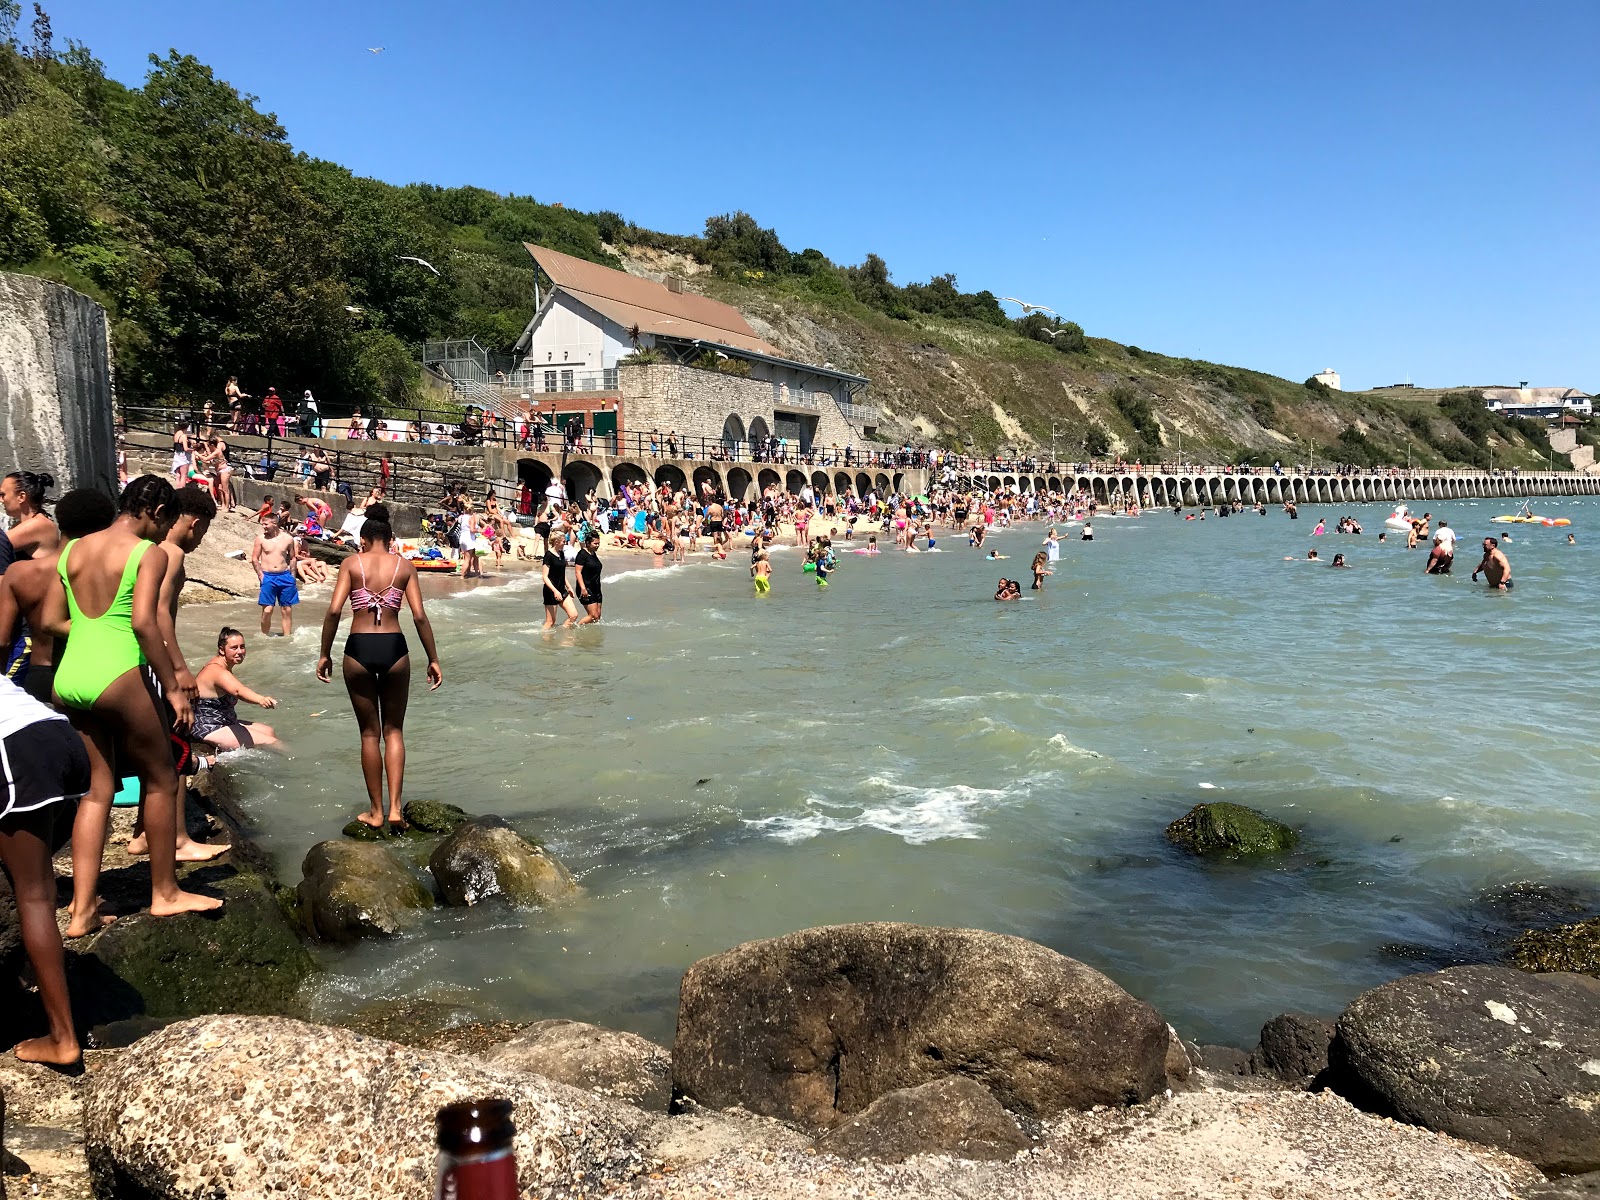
{"x": 1538, "y": 401}
{"x": 1328, "y": 377}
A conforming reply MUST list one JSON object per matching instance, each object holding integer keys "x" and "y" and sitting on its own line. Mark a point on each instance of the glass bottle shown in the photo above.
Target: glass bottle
{"x": 475, "y": 1156}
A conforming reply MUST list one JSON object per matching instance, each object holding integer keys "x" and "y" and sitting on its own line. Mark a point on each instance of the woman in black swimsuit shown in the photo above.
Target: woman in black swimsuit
{"x": 377, "y": 661}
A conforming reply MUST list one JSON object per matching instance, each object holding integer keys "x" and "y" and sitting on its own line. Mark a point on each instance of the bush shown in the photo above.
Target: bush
{"x": 1098, "y": 443}
{"x": 1263, "y": 410}
{"x": 1134, "y": 405}
{"x": 1316, "y": 387}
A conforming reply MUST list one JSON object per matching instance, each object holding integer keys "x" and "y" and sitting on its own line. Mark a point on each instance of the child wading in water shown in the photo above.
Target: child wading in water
{"x": 761, "y": 572}
{"x": 117, "y": 574}
{"x": 1041, "y": 568}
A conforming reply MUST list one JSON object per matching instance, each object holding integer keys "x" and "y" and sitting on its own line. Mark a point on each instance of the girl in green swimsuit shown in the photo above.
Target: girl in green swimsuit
{"x": 116, "y": 575}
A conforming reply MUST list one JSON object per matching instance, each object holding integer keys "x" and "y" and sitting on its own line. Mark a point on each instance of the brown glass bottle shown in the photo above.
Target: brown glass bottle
{"x": 475, "y": 1157}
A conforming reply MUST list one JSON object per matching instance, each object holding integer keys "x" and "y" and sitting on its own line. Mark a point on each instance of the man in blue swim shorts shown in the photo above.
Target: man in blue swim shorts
{"x": 272, "y": 555}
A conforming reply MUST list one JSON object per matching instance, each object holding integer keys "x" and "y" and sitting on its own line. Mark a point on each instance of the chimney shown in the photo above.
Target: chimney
{"x": 675, "y": 284}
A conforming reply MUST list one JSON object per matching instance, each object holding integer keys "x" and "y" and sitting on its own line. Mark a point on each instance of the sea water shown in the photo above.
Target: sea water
{"x": 716, "y": 767}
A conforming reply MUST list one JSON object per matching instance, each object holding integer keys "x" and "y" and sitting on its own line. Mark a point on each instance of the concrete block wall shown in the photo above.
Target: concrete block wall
{"x": 696, "y": 403}
{"x": 55, "y": 384}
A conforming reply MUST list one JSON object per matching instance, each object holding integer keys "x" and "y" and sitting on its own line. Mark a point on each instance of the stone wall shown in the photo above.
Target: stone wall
{"x": 696, "y": 403}
{"x": 55, "y": 384}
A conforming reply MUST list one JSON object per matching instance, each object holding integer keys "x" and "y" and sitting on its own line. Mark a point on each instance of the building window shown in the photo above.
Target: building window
{"x": 549, "y": 381}
{"x": 608, "y": 378}
{"x": 566, "y": 381}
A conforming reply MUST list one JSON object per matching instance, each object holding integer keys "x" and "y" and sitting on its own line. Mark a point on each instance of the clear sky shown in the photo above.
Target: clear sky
{"x": 1394, "y": 188}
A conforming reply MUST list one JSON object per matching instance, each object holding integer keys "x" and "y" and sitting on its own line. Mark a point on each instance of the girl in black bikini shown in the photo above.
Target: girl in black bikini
{"x": 377, "y": 662}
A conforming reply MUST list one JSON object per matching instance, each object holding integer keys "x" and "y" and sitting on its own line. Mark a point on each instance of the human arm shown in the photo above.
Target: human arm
{"x": 330, "y": 622}
{"x": 255, "y": 556}
{"x": 147, "y": 629}
{"x": 226, "y": 681}
{"x": 419, "y": 616}
{"x": 166, "y": 606}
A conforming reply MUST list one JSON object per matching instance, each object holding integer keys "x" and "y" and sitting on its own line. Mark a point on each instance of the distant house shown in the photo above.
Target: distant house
{"x": 1543, "y": 402}
{"x": 591, "y": 317}
{"x": 1328, "y": 377}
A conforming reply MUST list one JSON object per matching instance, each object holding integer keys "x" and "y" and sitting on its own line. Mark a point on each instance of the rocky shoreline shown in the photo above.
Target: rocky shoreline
{"x": 873, "y": 1059}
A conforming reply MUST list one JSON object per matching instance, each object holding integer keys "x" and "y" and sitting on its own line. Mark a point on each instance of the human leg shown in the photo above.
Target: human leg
{"x": 130, "y": 710}
{"x": 570, "y": 607}
{"x": 26, "y": 845}
{"x": 394, "y": 694}
{"x": 89, "y": 827}
{"x": 266, "y": 620}
{"x": 363, "y": 688}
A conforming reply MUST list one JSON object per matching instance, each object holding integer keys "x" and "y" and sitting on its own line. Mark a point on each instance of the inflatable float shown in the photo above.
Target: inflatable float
{"x": 1529, "y": 519}
{"x": 1398, "y": 519}
{"x": 443, "y": 565}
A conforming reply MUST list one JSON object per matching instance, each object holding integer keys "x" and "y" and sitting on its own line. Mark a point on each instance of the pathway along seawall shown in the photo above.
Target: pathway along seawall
{"x": 55, "y": 383}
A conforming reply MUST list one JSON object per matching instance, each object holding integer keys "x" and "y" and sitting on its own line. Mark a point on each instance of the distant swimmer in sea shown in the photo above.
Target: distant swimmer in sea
{"x": 1311, "y": 556}
{"x": 1382, "y": 537}
{"x": 1571, "y": 540}
{"x": 1320, "y": 529}
{"x": 1443, "y": 552}
{"x": 1041, "y": 568}
{"x": 1338, "y": 561}
{"x": 996, "y": 556}
{"x": 1495, "y": 567}
{"x": 1088, "y": 532}
{"x": 1008, "y": 589}
{"x": 761, "y": 572}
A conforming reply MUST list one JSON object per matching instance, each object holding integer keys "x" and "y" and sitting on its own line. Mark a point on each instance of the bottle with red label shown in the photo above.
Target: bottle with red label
{"x": 475, "y": 1157}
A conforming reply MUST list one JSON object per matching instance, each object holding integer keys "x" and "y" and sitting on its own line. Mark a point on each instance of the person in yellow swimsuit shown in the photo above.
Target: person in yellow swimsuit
{"x": 761, "y": 572}
{"x": 116, "y": 576}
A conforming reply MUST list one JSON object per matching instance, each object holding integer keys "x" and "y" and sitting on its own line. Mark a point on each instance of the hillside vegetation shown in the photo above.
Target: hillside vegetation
{"x": 182, "y": 207}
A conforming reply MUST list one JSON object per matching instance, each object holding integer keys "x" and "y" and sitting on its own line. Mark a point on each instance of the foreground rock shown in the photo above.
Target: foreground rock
{"x": 257, "y": 1107}
{"x": 433, "y": 816}
{"x": 621, "y": 1065}
{"x": 954, "y": 1115}
{"x": 815, "y": 1026}
{"x": 485, "y": 857}
{"x": 1293, "y": 1046}
{"x": 353, "y": 890}
{"x": 1230, "y": 831}
{"x": 1490, "y": 1054}
{"x": 1198, "y": 1146}
{"x": 1566, "y": 948}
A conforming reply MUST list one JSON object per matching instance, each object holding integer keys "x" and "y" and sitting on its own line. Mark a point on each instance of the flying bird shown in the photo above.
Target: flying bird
{"x": 375, "y": 49}
{"x": 421, "y": 262}
{"x": 351, "y": 308}
{"x": 1026, "y": 307}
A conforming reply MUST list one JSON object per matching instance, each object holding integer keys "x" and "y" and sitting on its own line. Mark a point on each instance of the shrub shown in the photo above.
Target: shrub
{"x": 1134, "y": 405}
{"x": 1098, "y": 442}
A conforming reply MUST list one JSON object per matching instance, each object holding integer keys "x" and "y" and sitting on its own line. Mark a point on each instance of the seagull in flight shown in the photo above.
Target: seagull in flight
{"x": 375, "y": 49}
{"x": 421, "y": 262}
{"x": 1026, "y": 307}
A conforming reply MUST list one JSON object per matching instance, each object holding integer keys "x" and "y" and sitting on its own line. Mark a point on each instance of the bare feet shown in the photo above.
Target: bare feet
{"x": 49, "y": 1051}
{"x": 183, "y": 902}
{"x": 83, "y": 926}
{"x": 138, "y": 847}
{"x": 190, "y": 851}
{"x": 371, "y": 820}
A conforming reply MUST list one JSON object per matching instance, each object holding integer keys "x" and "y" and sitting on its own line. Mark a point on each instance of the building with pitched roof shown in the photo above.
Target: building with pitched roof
{"x": 589, "y": 319}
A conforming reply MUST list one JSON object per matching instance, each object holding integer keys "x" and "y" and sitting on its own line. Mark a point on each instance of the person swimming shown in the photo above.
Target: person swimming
{"x": 1008, "y": 589}
{"x": 1338, "y": 561}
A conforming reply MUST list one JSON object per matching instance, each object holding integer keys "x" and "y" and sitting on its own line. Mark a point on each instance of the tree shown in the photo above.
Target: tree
{"x": 736, "y": 244}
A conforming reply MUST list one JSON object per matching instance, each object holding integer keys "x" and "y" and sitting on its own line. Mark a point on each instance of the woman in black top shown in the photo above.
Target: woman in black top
{"x": 553, "y": 573}
{"x": 588, "y": 564}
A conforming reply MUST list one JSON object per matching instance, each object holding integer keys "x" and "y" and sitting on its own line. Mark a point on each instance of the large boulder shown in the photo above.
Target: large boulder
{"x": 953, "y": 1115}
{"x": 1571, "y": 1187}
{"x": 1490, "y": 1054}
{"x": 621, "y": 1065}
{"x": 1573, "y": 947}
{"x": 253, "y": 1108}
{"x": 1230, "y": 831}
{"x": 353, "y": 890}
{"x": 815, "y": 1026}
{"x": 485, "y": 857}
{"x": 433, "y": 816}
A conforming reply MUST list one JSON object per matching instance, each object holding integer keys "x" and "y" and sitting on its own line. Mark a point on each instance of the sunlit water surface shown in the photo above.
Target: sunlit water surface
{"x": 717, "y": 768}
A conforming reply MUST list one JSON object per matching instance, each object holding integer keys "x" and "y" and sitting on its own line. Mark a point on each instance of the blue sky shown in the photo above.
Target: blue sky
{"x": 1396, "y": 189}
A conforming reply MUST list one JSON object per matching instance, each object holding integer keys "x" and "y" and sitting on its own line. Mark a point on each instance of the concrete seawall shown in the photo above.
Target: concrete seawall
{"x": 55, "y": 384}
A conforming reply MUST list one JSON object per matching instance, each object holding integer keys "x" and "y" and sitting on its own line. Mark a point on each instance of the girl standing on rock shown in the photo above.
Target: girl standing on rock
{"x": 377, "y": 660}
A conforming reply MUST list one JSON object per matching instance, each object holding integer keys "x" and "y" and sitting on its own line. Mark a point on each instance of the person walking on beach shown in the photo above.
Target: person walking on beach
{"x": 1495, "y": 567}
{"x": 587, "y": 572}
{"x": 117, "y": 574}
{"x": 272, "y": 555}
{"x": 377, "y": 660}
{"x": 553, "y": 575}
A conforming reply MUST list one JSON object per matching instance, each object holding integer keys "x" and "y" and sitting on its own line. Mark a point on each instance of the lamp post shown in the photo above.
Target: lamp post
{"x": 1054, "y": 433}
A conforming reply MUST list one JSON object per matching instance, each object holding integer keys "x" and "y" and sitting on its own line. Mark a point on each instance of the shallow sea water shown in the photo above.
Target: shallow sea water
{"x": 717, "y": 768}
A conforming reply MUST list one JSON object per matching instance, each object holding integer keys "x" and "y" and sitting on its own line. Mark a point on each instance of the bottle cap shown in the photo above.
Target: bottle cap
{"x": 476, "y": 1126}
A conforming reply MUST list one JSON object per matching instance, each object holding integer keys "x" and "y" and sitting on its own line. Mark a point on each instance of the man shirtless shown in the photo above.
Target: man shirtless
{"x": 196, "y": 511}
{"x": 714, "y": 526}
{"x": 1496, "y": 568}
{"x": 24, "y": 587}
{"x": 272, "y": 555}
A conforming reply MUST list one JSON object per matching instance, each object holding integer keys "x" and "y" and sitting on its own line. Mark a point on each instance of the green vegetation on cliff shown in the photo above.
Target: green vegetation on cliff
{"x": 219, "y": 250}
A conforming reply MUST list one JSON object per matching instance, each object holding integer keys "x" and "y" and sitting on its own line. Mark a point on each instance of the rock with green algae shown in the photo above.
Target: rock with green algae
{"x": 485, "y": 857}
{"x": 244, "y": 958}
{"x": 434, "y": 816}
{"x": 1230, "y": 831}
{"x": 1573, "y": 948}
{"x": 352, "y": 890}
